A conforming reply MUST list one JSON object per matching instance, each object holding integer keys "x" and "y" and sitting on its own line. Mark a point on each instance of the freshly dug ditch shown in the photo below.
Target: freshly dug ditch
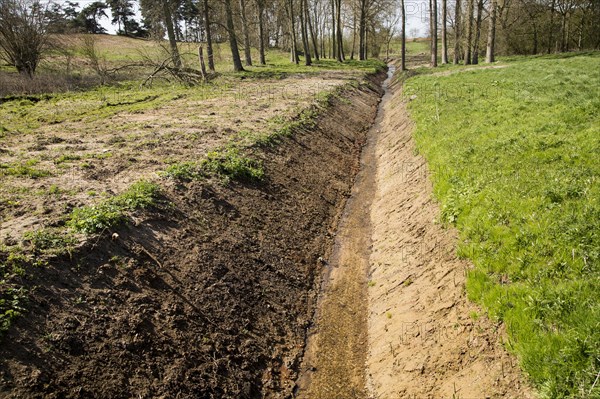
{"x": 393, "y": 319}
{"x": 208, "y": 296}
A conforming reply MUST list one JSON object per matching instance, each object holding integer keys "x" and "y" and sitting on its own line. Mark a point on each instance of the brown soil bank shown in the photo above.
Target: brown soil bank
{"x": 209, "y": 296}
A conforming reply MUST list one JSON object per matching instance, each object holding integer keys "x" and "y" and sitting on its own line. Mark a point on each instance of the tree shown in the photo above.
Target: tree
{"x": 403, "y": 56}
{"x": 311, "y": 30}
{"x": 414, "y": 32}
{"x": 433, "y": 24}
{"x": 245, "y": 33}
{"x": 291, "y": 15}
{"x": 469, "y": 38}
{"x": 190, "y": 15}
{"x": 564, "y": 7}
{"x": 260, "y": 9}
{"x": 152, "y": 18}
{"x": 57, "y": 20}
{"x": 362, "y": 29}
{"x": 334, "y": 47}
{"x": 475, "y": 59}
{"x": 534, "y": 10}
{"x": 23, "y": 34}
{"x": 339, "y": 39}
{"x": 444, "y": 32}
{"x": 304, "y": 35}
{"x": 491, "y": 42}
{"x": 90, "y": 17}
{"x": 390, "y": 22}
{"x": 122, "y": 12}
{"x": 457, "y": 33}
{"x": 208, "y": 31}
{"x": 168, "y": 21}
{"x": 233, "y": 45}
{"x": 551, "y": 36}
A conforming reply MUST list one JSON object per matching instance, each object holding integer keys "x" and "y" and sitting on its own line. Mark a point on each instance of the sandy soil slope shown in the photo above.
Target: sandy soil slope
{"x": 425, "y": 339}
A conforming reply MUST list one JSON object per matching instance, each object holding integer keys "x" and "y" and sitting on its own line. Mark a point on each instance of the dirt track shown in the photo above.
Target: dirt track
{"x": 393, "y": 320}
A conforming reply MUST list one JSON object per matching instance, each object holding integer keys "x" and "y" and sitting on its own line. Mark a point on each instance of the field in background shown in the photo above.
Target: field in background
{"x": 514, "y": 154}
{"x": 67, "y": 68}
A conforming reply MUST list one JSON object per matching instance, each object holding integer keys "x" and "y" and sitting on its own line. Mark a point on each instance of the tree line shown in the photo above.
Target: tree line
{"x": 470, "y": 29}
{"x": 466, "y": 30}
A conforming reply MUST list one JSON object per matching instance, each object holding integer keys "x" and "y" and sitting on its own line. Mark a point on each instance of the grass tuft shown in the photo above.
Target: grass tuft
{"x": 226, "y": 164}
{"x": 25, "y": 169}
{"x": 112, "y": 212}
{"x": 230, "y": 164}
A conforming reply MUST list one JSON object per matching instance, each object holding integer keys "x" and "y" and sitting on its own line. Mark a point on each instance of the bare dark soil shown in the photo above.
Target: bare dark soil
{"x": 207, "y": 296}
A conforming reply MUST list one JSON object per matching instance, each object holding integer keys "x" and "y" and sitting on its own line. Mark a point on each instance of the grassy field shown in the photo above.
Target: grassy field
{"x": 67, "y": 68}
{"x": 514, "y": 153}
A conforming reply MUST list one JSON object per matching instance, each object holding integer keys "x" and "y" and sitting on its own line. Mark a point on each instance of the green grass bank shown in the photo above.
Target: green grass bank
{"x": 514, "y": 153}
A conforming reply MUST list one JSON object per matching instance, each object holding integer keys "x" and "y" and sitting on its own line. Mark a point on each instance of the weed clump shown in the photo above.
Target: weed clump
{"x": 112, "y": 212}
{"x": 229, "y": 164}
{"x": 23, "y": 170}
{"x": 226, "y": 164}
{"x": 50, "y": 241}
{"x": 12, "y": 296}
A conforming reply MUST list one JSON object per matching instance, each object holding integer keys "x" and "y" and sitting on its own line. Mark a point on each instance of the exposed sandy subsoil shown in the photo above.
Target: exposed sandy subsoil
{"x": 208, "y": 296}
{"x": 426, "y": 340}
{"x": 393, "y": 319}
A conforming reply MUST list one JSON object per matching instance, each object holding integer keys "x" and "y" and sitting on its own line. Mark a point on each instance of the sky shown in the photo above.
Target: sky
{"x": 416, "y": 16}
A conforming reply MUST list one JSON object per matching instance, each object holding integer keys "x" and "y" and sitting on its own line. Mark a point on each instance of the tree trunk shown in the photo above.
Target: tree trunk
{"x": 294, "y": 49}
{"x": 563, "y": 42}
{"x": 261, "y": 33}
{"x": 581, "y": 28}
{"x": 535, "y": 39}
{"x": 304, "y": 34}
{"x": 322, "y": 30}
{"x": 235, "y": 53}
{"x": 313, "y": 36}
{"x": 477, "y": 32}
{"x": 202, "y": 66}
{"x": 403, "y": 58}
{"x": 362, "y": 30}
{"x": 209, "y": 48}
{"x": 491, "y": 42}
{"x": 551, "y": 35}
{"x": 366, "y": 43}
{"x": 444, "y": 32}
{"x": 171, "y": 34}
{"x": 353, "y": 35}
{"x": 340, "y": 43}
{"x": 246, "y": 34}
{"x": 456, "y": 57}
{"x": 469, "y": 38}
{"x": 333, "y": 30}
{"x": 434, "y": 44}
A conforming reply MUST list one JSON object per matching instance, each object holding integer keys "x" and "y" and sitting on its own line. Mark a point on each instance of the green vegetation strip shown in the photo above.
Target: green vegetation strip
{"x": 112, "y": 211}
{"x": 226, "y": 164}
{"x": 514, "y": 154}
